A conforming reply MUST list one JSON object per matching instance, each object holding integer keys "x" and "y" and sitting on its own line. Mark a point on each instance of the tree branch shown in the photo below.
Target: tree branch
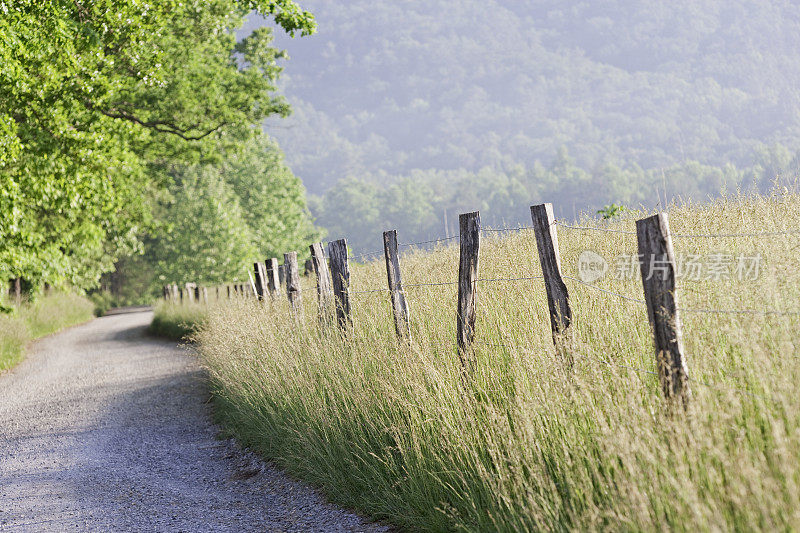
{"x": 161, "y": 126}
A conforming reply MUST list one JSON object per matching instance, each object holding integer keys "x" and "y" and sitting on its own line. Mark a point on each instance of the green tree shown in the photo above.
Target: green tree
{"x": 107, "y": 98}
{"x": 273, "y": 199}
{"x": 205, "y": 238}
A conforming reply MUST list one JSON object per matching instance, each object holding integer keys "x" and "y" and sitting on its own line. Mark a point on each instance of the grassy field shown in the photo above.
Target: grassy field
{"x": 46, "y": 315}
{"x": 177, "y": 322}
{"x": 528, "y": 443}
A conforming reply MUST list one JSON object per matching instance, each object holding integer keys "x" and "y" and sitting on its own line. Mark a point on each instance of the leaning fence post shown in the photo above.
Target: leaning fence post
{"x": 340, "y": 275}
{"x": 324, "y": 288}
{"x": 273, "y": 282}
{"x": 657, "y": 262}
{"x": 402, "y": 324}
{"x": 293, "y": 283}
{"x": 205, "y": 295}
{"x": 261, "y": 280}
{"x": 557, "y": 295}
{"x": 470, "y": 230}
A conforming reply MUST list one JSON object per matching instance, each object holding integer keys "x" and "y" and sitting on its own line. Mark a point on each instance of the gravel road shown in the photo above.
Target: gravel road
{"x": 103, "y": 428}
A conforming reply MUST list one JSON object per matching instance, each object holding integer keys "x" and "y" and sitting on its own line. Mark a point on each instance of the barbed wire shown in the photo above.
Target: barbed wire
{"x": 593, "y": 228}
{"x": 510, "y": 279}
{"x": 442, "y": 239}
{"x": 637, "y": 300}
{"x": 509, "y": 230}
{"x": 740, "y": 311}
{"x": 756, "y": 234}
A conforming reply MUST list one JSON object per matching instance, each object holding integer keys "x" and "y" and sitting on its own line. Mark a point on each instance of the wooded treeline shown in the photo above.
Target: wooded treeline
{"x": 118, "y": 121}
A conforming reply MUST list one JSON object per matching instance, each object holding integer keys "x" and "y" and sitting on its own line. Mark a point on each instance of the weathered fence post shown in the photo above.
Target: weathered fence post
{"x": 470, "y": 230}
{"x": 261, "y": 280}
{"x": 189, "y": 292}
{"x": 324, "y": 288}
{"x": 557, "y": 295}
{"x": 340, "y": 275}
{"x": 282, "y": 275}
{"x": 657, "y": 262}
{"x": 196, "y": 293}
{"x": 273, "y": 281}
{"x": 293, "y": 283}
{"x": 402, "y": 324}
{"x": 175, "y": 292}
{"x": 205, "y": 295}
{"x": 180, "y": 290}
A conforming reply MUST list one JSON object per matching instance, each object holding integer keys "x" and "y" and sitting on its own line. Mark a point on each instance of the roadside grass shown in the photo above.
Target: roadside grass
{"x": 527, "y": 443}
{"x": 47, "y": 314}
{"x": 177, "y": 321}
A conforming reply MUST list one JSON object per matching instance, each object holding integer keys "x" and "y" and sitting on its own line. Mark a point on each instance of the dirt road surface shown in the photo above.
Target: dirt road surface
{"x": 103, "y": 428}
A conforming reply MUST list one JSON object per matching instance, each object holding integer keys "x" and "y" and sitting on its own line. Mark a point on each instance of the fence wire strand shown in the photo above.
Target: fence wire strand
{"x": 593, "y": 228}
{"x": 618, "y": 295}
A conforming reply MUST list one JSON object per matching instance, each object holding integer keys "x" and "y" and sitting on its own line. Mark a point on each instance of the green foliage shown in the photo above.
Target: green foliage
{"x": 272, "y": 199}
{"x": 106, "y": 98}
{"x": 611, "y": 211}
{"x": 205, "y": 238}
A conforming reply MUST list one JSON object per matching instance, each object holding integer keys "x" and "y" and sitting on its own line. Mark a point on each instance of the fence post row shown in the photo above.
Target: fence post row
{"x": 402, "y": 323}
{"x": 657, "y": 262}
{"x": 557, "y": 295}
{"x": 340, "y": 275}
{"x": 260, "y": 279}
{"x": 324, "y": 288}
{"x": 470, "y": 231}
{"x": 293, "y": 283}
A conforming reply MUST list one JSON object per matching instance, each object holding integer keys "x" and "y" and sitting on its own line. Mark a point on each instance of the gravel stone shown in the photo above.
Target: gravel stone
{"x": 103, "y": 428}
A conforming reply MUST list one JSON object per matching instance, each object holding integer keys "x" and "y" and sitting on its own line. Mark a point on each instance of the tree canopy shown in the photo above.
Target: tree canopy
{"x": 101, "y": 103}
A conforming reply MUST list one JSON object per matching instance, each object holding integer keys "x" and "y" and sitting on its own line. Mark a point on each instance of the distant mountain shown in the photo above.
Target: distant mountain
{"x": 387, "y": 87}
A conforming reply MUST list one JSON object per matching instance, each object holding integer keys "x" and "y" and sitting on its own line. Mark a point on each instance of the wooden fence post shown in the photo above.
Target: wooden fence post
{"x": 180, "y": 290}
{"x": 293, "y": 283}
{"x": 309, "y": 267}
{"x": 273, "y": 282}
{"x": 340, "y": 275}
{"x": 196, "y": 293}
{"x": 282, "y": 275}
{"x": 470, "y": 230}
{"x": 402, "y": 324}
{"x": 261, "y": 280}
{"x": 205, "y": 295}
{"x": 189, "y": 292}
{"x": 557, "y": 295}
{"x": 324, "y": 287}
{"x": 657, "y": 262}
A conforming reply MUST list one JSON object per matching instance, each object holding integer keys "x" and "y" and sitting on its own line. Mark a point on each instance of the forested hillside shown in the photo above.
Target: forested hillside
{"x": 658, "y": 91}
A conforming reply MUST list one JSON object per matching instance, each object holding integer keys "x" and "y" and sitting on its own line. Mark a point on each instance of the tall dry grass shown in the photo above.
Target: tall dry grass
{"x": 528, "y": 443}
